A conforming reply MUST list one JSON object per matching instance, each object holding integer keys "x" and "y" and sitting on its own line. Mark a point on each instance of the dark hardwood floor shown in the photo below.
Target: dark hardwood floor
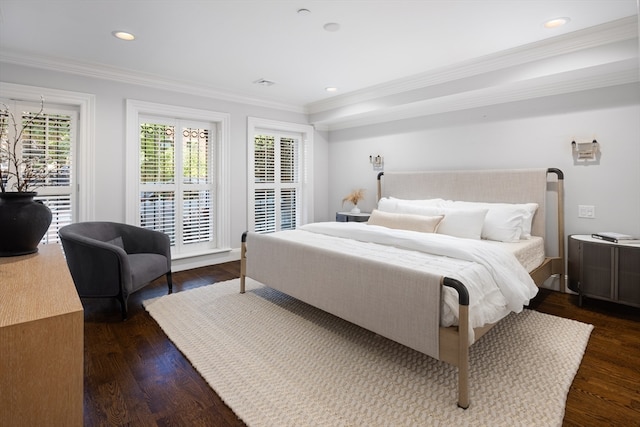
{"x": 134, "y": 376}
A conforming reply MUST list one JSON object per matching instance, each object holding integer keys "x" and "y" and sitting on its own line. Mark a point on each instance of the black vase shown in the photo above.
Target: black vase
{"x": 23, "y": 222}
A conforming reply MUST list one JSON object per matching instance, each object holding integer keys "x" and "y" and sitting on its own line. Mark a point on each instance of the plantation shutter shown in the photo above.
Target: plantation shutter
{"x": 289, "y": 171}
{"x": 157, "y": 173}
{"x": 197, "y": 196}
{"x": 48, "y": 141}
{"x": 177, "y": 189}
{"x": 276, "y": 186}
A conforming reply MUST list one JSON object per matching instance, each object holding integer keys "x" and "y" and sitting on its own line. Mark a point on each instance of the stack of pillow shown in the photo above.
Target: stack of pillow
{"x": 503, "y": 222}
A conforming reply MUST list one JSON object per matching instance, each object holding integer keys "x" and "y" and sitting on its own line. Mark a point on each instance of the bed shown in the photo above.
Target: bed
{"x": 435, "y": 288}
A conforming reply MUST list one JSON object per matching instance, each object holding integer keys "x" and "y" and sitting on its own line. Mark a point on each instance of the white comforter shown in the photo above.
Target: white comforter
{"x": 496, "y": 281}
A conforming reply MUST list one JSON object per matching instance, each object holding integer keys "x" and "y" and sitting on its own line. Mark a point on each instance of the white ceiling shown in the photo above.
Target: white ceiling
{"x": 225, "y": 46}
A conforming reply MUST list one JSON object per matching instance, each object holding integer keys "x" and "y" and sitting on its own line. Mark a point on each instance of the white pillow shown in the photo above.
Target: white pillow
{"x": 466, "y": 223}
{"x": 503, "y": 225}
{"x": 505, "y": 222}
{"x": 387, "y": 204}
{"x": 531, "y": 209}
{"x": 424, "y": 224}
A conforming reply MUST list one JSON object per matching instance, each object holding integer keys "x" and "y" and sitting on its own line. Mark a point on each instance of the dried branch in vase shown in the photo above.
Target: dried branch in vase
{"x": 354, "y": 197}
{"x": 22, "y": 174}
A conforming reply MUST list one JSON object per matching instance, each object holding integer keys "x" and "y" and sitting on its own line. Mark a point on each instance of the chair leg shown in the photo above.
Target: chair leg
{"x": 123, "y": 306}
{"x": 169, "y": 282}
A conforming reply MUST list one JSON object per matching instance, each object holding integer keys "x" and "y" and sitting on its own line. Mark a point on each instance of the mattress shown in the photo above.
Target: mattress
{"x": 529, "y": 252}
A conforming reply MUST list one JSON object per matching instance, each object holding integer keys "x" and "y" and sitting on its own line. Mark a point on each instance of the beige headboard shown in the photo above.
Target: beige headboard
{"x": 504, "y": 185}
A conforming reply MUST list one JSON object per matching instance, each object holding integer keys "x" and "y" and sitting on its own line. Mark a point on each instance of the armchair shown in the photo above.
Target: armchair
{"x": 108, "y": 259}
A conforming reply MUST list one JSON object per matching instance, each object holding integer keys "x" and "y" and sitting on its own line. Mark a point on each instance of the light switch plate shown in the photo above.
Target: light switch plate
{"x": 586, "y": 211}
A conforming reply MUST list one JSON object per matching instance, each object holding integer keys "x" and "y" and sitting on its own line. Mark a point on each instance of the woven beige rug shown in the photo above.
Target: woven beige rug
{"x": 279, "y": 362}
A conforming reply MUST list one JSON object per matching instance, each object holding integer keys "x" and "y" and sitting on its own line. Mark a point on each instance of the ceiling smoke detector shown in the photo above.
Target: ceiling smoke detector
{"x": 264, "y": 82}
{"x": 331, "y": 27}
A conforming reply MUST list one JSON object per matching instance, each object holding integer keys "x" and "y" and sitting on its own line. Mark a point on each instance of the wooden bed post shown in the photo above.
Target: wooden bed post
{"x": 463, "y": 357}
{"x": 463, "y": 340}
{"x": 243, "y": 262}
{"x": 380, "y": 185}
{"x": 561, "y": 258}
{"x": 561, "y": 230}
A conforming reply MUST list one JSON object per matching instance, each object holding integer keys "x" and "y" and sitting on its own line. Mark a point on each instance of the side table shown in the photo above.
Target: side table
{"x": 352, "y": 217}
{"x": 604, "y": 270}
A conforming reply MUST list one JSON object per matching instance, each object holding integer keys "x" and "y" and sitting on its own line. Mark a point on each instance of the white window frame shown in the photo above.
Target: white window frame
{"x": 257, "y": 126}
{"x": 84, "y": 163}
{"x": 135, "y": 109}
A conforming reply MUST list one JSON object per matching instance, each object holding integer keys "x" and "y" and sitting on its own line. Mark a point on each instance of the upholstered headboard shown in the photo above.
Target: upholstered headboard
{"x": 504, "y": 186}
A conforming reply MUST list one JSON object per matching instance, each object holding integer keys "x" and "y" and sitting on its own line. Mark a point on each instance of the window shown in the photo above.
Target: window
{"x": 49, "y": 140}
{"x": 65, "y": 134}
{"x": 177, "y": 190}
{"x": 178, "y": 171}
{"x": 280, "y": 193}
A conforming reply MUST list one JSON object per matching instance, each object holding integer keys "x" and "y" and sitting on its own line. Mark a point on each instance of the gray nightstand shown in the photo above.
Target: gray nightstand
{"x": 604, "y": 270}
{"x": 352, "y": 217}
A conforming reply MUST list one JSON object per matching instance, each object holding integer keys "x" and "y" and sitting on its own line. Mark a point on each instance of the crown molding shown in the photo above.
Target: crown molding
{"x": 608, "y": 75}
{"x": 608, "y": 33}
{"x": 356, "y": 107}
{"x": 104, "y": 72}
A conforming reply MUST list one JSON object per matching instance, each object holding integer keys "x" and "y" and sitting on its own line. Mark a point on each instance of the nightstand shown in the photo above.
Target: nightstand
{"x": 352, "y": 217}
{"x": 604, "y": 270}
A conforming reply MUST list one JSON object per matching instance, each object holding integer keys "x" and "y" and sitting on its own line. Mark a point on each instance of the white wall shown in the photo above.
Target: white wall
{"x": 527, "y": 134}
{"x": 533, "y": 133}
{"x": 110, "y": 138}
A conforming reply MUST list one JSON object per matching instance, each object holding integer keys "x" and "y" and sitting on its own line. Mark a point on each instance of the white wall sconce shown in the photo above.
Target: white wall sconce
{"x": 585, "y": 151}
{"x": 377, "y": 162}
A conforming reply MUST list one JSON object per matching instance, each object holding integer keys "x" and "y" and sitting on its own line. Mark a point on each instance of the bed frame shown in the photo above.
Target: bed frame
{"x": 506, "y": 186}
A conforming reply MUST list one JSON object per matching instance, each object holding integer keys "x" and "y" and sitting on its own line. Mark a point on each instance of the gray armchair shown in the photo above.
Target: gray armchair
{"x": 109, "y": 259}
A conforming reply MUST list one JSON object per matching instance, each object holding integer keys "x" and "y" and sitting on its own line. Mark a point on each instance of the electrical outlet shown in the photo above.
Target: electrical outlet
{"x": 586, "y": 211}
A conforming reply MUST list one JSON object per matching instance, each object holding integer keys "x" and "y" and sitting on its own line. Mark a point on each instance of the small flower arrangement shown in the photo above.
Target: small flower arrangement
{"x": 354, "y": 197}
{"x": 19, "y": 173}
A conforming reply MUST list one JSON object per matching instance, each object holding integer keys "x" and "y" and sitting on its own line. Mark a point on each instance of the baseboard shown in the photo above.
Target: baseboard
{"x": 205, "y": 260}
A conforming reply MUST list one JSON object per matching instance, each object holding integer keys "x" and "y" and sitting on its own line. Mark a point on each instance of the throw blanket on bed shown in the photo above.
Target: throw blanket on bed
{"x": 506, "y": 273}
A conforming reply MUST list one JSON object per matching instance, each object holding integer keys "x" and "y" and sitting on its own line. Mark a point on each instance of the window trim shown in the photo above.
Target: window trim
{"x": 255, "y": 125}
{"x": 85, "y": 141}
{"x": 136, "y": 108}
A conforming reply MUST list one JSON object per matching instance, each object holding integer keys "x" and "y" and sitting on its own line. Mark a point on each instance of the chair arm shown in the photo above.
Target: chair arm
{"x": 142, "y": 240}
{"x": 99, "y": 269}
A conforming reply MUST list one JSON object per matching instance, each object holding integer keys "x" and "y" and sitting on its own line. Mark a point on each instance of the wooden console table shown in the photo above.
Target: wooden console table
{"x": 41, "y": 341}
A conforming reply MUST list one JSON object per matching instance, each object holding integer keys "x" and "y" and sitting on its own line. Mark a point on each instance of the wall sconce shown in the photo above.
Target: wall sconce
{"x": 585, "y": 151}
{"x": 377, "y": 162}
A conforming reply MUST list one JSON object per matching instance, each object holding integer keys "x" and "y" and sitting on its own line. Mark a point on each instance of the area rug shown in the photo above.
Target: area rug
{"x": 279, "y": 362}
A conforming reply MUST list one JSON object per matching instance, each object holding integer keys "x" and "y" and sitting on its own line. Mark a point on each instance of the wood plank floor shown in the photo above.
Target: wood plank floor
{"x": 134, "y": 376}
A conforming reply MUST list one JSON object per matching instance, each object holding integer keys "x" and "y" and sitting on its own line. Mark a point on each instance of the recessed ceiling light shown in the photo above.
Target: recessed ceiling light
{"x": 556, "y": 22}
{"x": 332, "y": 27}
{"x": 331, "y": 89}
{"x": 123, "y": 35}
{"x": 304, "y": 11}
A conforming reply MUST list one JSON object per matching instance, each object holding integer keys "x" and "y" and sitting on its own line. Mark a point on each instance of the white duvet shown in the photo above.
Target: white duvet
{"x": 496, "y": 281}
